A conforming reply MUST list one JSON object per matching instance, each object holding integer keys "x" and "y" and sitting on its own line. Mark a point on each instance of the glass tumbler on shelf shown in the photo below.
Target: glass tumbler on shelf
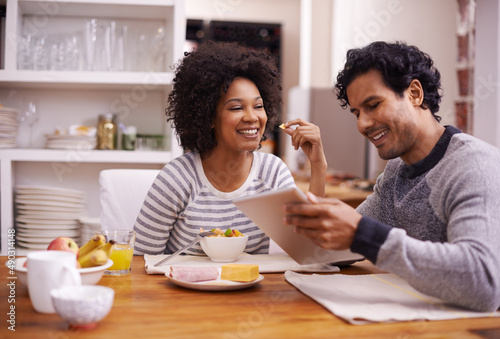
{"x": 24, "y": 52}
{"x": 122, "y": 251}
{"x": 41, "y": 53}
{"x": 90, "y": 38}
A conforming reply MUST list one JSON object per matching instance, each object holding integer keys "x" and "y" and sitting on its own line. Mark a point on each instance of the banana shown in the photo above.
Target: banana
{"x": 92, "y": 244}
{"x": 107, "y": 247}
{"x": 94, "y": 258}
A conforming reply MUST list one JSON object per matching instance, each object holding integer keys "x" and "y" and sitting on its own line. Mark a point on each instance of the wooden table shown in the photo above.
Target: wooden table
{"x": 149, "y": 306}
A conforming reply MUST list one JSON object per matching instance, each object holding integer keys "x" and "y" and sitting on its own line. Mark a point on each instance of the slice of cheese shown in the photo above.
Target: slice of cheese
{"x": 239, "y": 272}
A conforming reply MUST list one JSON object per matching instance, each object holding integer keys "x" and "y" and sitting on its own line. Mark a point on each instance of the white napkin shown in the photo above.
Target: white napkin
{"x": 268, "y": 263}
{"x": 364, "y": 299}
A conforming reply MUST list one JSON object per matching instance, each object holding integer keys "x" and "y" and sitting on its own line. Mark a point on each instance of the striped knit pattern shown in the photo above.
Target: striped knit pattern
{"x": 182, "y": 200}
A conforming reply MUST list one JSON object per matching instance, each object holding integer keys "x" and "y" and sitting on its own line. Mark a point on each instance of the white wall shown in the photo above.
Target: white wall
{"x": 486, "y": 118}
{"x": 321, "y": 45}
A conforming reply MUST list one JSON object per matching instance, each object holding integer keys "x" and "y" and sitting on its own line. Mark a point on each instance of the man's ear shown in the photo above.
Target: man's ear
{"x": 416, "y": 92}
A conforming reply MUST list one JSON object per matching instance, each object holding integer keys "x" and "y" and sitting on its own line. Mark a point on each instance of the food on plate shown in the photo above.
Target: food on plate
{"x": 193, "y": 274}
{"x": 122, "y": 256}
{"x": 92, "y": 244}
{"x": 63, "y": 244}
{"x": 227, "y": 233}
{"x": 240, "y": 272}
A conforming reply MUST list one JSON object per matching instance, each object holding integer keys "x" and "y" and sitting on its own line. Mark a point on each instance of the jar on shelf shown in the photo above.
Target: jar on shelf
{"x": 128, "y": 138}
{"x": 106, "y": 132}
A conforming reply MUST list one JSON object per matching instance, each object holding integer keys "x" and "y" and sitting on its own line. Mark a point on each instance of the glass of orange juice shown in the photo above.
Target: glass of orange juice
{"x": 122, "y": 251}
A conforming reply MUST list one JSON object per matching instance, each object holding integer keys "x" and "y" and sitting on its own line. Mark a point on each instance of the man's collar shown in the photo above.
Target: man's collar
{"x": 420, "y": 167}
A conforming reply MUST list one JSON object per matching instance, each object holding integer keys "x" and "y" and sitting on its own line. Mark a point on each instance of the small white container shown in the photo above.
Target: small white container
{"x": 83, "y": 306}
{"x": 224, "y": 249}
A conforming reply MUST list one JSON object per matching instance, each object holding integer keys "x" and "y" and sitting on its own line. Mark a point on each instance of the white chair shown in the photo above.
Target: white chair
{"x": 122, "y": 193}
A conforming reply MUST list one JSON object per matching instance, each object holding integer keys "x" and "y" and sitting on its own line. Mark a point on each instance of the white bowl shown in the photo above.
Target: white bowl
{"x": 90, "y": 275}
{"x": 82, "y": 306}
{"x": 224, "y": 249}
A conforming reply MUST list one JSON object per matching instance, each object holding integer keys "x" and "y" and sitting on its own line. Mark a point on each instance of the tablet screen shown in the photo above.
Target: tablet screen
{"x": 266, "y": 211}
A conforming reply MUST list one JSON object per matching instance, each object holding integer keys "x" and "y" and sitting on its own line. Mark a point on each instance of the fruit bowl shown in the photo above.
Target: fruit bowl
{"x": 90, "y": 275}
{"x": 82, "y": 306}
{"x": 223, "y": 249}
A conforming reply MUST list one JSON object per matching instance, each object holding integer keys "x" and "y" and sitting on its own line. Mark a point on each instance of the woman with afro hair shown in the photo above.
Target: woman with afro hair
{"x": 225, "y": 98}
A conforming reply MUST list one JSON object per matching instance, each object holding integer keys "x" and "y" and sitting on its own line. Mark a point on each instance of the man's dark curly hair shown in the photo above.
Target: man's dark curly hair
{"x": 200, "y": 79}
{"x": 399, "y": 64}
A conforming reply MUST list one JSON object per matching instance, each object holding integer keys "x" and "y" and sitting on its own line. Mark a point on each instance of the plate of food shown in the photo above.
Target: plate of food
{"x": 228, "y": 278}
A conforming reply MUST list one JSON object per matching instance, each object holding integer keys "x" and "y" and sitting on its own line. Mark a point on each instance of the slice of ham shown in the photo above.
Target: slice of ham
{"x": 193, "y": 274}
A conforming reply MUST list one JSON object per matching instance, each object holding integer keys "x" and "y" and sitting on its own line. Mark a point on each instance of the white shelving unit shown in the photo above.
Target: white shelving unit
{"x": 78, "y": 97}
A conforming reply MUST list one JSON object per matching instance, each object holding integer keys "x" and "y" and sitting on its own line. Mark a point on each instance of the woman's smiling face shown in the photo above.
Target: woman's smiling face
{"x": 240, "y": 118}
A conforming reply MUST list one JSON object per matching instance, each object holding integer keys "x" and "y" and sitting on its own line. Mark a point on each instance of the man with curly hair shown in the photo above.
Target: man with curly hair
{"x": 434, "y": 216}
{"x": 224, "y": 99}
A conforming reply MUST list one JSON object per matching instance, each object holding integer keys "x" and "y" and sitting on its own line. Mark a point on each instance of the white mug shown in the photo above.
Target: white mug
{"x": 48, "y": 270}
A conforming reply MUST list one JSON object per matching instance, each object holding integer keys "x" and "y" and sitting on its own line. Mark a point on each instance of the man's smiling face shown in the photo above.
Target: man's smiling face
{"x": 389, "y": 121}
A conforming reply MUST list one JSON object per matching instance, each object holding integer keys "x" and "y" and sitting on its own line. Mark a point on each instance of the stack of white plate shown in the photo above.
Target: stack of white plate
{"x": 45, "y": 213}
{"x": 8, "y": 127}
{"x": 65, "y": 141}
{"x": 88, "y": 228}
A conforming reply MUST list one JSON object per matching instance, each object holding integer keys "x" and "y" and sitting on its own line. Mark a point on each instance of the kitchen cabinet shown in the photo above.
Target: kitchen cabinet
{"x": 134, "y": 86}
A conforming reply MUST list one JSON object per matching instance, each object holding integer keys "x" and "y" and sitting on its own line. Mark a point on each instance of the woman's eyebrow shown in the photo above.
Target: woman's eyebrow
{"x": 239, "y": 100}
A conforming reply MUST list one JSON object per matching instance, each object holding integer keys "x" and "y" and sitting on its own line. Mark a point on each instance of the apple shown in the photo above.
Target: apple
{"x": 63, "y": 244}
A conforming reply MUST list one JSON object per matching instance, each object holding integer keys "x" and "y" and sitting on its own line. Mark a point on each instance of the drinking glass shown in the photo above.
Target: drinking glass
{"x": 122, "y": 252}
{"x": 90, "y": 37}
{"x": 30, "y": 115}
{"x": 41, "y": 53}
{"x": 25, "y": 51}
{"x": 158, "y": 49}
{"x": 57, "y": 54}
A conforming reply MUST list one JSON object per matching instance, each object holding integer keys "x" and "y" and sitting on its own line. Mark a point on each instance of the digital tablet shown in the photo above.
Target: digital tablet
{"x": 266, "y": 211}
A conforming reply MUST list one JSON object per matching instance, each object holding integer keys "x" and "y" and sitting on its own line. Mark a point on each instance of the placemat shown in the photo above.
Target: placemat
{"x": 268, "y": 263}
{"x": 365, "y": 299}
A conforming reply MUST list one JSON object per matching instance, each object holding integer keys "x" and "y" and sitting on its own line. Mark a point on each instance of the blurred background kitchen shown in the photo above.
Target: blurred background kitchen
{"x": 83, "y": 86}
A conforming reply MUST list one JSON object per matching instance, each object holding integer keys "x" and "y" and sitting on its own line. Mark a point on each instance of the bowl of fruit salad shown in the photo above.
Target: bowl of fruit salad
{"x": 225, "y": 246}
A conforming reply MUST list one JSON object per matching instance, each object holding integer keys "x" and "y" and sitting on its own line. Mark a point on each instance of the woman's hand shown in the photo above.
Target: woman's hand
{"x": 307, "y": 136}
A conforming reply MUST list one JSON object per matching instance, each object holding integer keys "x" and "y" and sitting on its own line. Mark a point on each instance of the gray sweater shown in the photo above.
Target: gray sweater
{"x": 436, "y": 223}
